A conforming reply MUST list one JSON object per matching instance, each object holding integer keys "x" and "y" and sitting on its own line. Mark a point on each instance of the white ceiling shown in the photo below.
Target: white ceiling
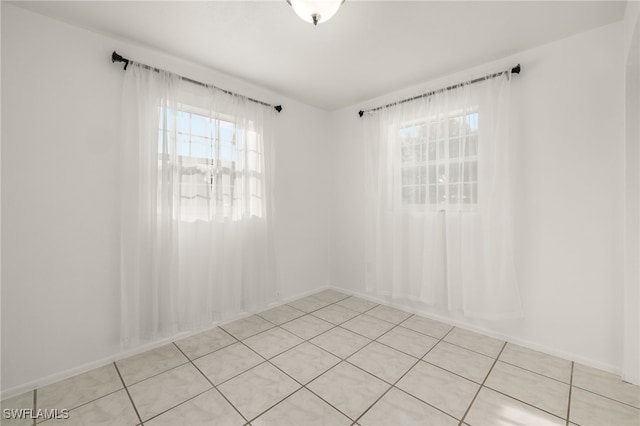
{"x": 368, "y": 49}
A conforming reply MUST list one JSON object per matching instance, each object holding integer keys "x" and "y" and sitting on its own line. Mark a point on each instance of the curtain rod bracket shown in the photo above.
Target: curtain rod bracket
{"x": 117, "y": 58}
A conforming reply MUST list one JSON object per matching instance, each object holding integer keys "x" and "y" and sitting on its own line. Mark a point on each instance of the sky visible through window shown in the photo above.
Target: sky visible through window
{"x": 202, "y": 137}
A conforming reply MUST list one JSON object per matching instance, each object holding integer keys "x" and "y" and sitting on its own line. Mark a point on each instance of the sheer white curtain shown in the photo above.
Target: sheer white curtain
{"x": 439, "y": 216}
{"x": 196, "y": 220}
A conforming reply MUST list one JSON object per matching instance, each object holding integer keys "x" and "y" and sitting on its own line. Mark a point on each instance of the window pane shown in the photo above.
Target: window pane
{"x": 470, "y": 171}
{"x": 432, "y": 174}
{"x": 470, "y": 193}
{"x": 408, "y": 176}
{"x": 408, "y": 194}
{"x": 183, "y": 122}
{"x": 471, "y": 146}
{"x": 473, "y": 122}
{"x": 454, "y": 172}
{"x": 454, "y": 148}
{"x": 200, "y": 125}
{"x": 182, "y": 147}
{"x": 227, "y": 132}
{"x": 421, "y": 195}
{"x": 201, "y": 148}
{"x": 439, "y": 161}
{"x": 454, "y": 126}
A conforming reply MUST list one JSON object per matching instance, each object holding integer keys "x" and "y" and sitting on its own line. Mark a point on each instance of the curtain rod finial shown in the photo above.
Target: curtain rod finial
{"x": 278, "y": 108}
{"x": 360, "y": 113}
{"x": 516, "y": 69}
{"x": 117, "y": 58}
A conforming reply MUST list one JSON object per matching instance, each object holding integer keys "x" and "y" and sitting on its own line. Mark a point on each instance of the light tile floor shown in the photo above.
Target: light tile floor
{"x": 331, "y": 359}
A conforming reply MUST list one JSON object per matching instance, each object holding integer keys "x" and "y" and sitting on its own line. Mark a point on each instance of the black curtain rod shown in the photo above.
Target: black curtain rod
{"x": 514, "y": 70}
{"x": 117, "y": 58}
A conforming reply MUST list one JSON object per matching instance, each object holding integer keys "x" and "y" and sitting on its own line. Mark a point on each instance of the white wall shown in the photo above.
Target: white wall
{"x": 60, "y": 258}
{"x": 569, "y": 204}
{"x": 631, "y": 358}
{"x": 60, "y": 114}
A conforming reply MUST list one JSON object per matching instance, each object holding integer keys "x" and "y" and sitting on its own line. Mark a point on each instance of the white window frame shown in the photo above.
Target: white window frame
{"x": 444, "y": 160}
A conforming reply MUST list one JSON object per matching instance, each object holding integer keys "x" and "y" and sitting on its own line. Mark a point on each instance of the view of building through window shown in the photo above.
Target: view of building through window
{"x": 440, "y": 162}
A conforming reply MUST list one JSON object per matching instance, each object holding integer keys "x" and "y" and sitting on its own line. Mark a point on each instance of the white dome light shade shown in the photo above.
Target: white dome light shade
{"x": 315, "y": 11}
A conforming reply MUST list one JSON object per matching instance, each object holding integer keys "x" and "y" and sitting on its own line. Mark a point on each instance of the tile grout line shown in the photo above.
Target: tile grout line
{"x": 393, "y": 385}
{"x": 606, "y": 397}
{"x": 534, "y": 372}
{"x": 178, "y": 405}
{"x": 375, "y": 340}
{"x": 128, "y": 394}
{"x": 304, "y": 386}
{"x": 35, "y": 404}
{"x": 524, "y": 402}
{"x": 570, "y": 389}
{"x": 214, "y": 386}
{"x": 495, "y": 361}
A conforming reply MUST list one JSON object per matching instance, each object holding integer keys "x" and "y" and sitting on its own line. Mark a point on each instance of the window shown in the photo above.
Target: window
{"x": 218, "y": 163}
{"x": 439, "y": 163}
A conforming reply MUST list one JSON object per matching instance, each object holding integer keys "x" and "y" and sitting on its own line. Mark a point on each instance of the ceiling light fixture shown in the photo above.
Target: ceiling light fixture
{"x": 315, "y": 11}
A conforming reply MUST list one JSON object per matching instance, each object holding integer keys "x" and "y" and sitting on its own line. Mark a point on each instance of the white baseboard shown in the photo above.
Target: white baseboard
{"x": 53, "y": 378}
{"x": 62, "y": 375}
{"x": 488, "y": 332}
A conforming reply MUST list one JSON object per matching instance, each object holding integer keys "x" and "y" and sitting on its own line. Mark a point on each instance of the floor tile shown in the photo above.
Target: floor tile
{"x": 307, "y": 327}
{"x": 408, "y": 341}
{"x": 357, "y": 304}
{"x": 164, "y": 391}
{"x": 399, "y": 408}
{"x": 605, "y": 384}
{"x": 538, "y": 362}
{"x": 532, "y": 388}
{"x": 330, "y": 296}
{"x": 228, "y": 362}
{"x": 368, "y": 326}
{"x": 207, "y": 409}
{"x": 475, "y": 342}
{"x": 382, "y": 361}
{"x": 348, "y": 388}
{"x": 272, "y": 342}
{"x": 427, "y": 326}
{"x": 114, "y": 409}
{"x": 308, "y": 304}
{"x": 205, "y": 342}
{"x": 302, "y": 408}
{"x": 589, "y": 409}
{"x": 281, "y": 314}
{"x": 305, "y": 362}
{"x": 258, "y": 389}
{"x": 22, "y": 401}
{"x": 466, "y": 363}
{"x": 150, "y": 363}
{"x": 335, "y": 314}
{"x": 494, "y": 409}
{"x": 247, "y": 327}
{"x": 435, "y": 386}
{"x": 340, "y": 342}
{"x": 80, "y": 389}
{"x": 395, "y": 316}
